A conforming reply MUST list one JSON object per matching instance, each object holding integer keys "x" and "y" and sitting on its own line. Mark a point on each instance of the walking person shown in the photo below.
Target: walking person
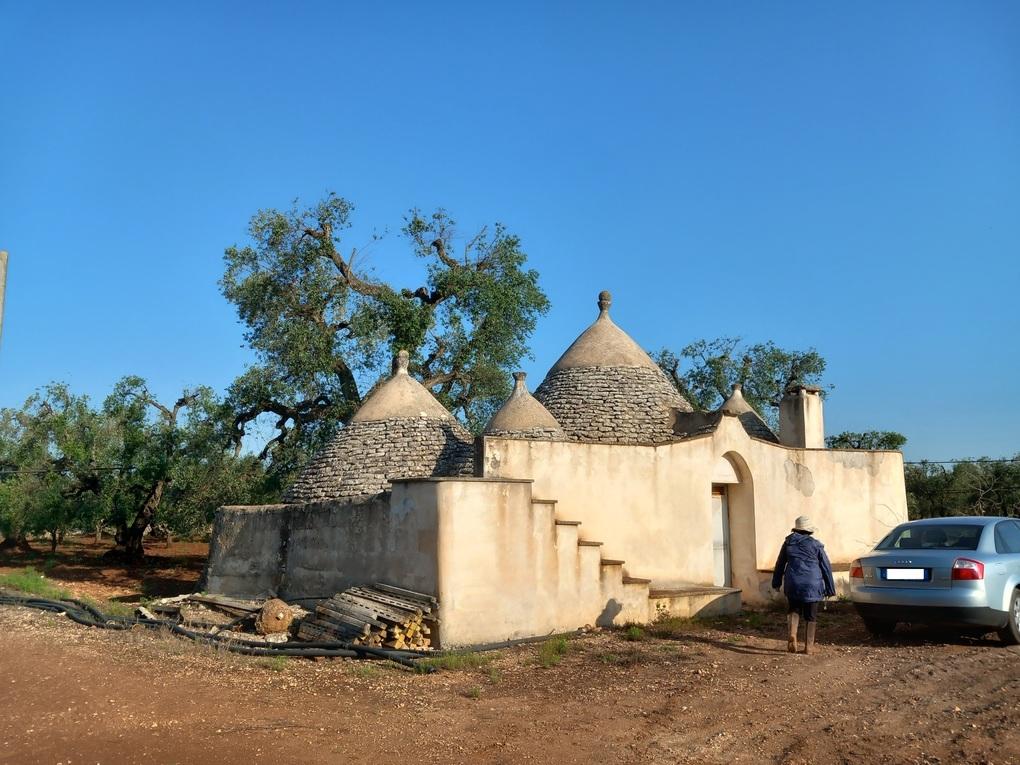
{"x": 804, "y": 571}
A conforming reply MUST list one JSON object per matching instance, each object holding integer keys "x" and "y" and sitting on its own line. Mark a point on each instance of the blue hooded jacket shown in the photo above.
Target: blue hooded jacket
{"x": 805, "y": 567}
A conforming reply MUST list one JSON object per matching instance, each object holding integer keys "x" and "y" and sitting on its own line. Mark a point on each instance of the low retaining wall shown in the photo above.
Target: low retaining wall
{"x": 315, "y": 550}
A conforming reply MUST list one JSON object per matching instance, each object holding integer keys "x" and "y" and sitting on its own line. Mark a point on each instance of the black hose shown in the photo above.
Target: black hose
{"x": 90, "y": 616}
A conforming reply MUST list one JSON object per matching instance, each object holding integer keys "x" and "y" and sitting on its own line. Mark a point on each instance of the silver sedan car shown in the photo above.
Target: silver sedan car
{"x": 956, "y": 571}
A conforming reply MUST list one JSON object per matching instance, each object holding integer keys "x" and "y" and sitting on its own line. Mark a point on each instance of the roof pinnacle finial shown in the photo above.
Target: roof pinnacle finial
{"x": 605, "y": 300}
{"x": 401, "y": 362}
{"x": 520, "y": 388}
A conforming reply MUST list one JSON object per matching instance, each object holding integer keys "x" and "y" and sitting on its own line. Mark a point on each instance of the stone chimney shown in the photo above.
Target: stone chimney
{"x": 800, "y": 418}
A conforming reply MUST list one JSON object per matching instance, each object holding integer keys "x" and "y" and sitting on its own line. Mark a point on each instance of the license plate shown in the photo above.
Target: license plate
{"x": 905, "y": 574}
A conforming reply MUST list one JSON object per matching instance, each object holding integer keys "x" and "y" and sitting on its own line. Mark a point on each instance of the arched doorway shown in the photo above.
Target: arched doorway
{"x": 733, "y": 542}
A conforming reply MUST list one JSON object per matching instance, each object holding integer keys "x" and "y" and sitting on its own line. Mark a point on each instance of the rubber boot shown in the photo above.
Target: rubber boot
{"x": 793, "y": 621}
{"x": 809, "y": 638}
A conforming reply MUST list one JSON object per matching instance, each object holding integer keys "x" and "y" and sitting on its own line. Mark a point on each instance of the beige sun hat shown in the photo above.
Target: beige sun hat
{"x": 803, "y": 524}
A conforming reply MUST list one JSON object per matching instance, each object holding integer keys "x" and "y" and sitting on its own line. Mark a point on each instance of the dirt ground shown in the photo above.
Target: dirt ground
{"x": 79, "y": 565}
{"x": 721, "y": 691}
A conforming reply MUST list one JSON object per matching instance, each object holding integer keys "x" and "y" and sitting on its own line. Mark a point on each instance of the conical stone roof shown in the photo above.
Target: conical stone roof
{"x": 736, "y": 406}
{"x": 523, "y": 416}
{"x": 605, "y": 388}
{"x": 400, "y": 431}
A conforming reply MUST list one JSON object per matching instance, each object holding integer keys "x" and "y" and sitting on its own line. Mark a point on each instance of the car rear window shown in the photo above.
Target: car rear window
{"x": 1007, "y": 537}
{"x": 942, "y": 536}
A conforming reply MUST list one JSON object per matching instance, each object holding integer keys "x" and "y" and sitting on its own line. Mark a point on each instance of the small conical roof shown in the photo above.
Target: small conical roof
{"x": 401, "y": 396}
{"x": 736, "y": 403}
{"x": 736, "y": 406}
{"x": 400, "y": 431}
{"x": 523, "y": 416}
{"x": 605, "y": 388}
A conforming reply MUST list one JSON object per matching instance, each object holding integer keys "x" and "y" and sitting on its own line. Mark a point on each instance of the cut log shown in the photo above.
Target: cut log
{"x": 274, "y": 618}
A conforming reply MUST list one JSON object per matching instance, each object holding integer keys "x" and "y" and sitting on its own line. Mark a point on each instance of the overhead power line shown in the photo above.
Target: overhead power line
{"x": 43, "y": 471}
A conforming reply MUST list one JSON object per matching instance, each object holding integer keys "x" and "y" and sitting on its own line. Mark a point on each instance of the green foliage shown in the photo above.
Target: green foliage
{"x": 667, "y": 626}
{"x": 325, "y": 329}
{"x": 633, "y": 633}
{"x": 273, "y": 663}
{"x": 984, "y": 487}
{"x": 871, "y": 439}
{"x": 455, "y": 660}
{"x": 704, "y": 372}
{"x": 66, "y": 465}
{"x": 366, "y": 671}
{"x": 50, "y": 450}
{"x": 31, "y": 582}
{"x": 111, "y": 607}
{"x": 552, "y": 651}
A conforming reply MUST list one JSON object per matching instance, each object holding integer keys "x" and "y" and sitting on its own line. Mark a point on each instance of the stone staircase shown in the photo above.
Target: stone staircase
{"x": 602, "y": 587}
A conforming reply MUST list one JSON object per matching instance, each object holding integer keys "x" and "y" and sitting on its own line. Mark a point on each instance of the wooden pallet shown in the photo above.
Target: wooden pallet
{"x": 374, "y": 615}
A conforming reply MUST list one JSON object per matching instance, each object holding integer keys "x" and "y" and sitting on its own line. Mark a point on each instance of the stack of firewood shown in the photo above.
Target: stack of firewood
{"x": 374, "y": 615}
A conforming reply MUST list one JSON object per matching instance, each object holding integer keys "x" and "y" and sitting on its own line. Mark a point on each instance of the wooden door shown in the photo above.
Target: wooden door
{"x": 720, "y": 537}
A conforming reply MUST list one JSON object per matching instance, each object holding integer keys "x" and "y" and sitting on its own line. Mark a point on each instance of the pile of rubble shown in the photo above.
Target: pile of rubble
{"x": 378, "y": 615}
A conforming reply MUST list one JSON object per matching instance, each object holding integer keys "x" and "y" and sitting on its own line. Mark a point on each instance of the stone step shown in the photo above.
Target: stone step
{"x": 587, "y": 543}
{"x": 612, "y": 562}
{"x": 567, "y": 523}
{"x": 636, "y": 580}
{"x": 693, "y": 600}
{"x": 537, "y": 501}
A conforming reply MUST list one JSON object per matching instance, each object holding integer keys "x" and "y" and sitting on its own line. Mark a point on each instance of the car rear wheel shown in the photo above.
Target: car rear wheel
{"x": 879, "y": 627}
{"x": 1010, "y": 634}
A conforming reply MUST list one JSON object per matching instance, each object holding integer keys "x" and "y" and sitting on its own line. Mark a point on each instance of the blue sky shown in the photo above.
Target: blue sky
{"x": 843, "y": 176}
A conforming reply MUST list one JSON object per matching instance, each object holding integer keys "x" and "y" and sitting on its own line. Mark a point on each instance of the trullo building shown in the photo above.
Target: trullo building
{"x": 602, "y": 498}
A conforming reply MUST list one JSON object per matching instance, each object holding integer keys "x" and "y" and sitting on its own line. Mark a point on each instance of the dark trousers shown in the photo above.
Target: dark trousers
{"x": 808, "y": 610}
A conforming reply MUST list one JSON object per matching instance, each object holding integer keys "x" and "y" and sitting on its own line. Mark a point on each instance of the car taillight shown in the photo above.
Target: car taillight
{"x": 968, "y": 570}
{"x": 856, "y": 570}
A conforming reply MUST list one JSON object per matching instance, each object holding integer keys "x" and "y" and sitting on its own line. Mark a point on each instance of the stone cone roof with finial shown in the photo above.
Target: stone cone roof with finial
{"x": 523, "y": 416}
{"x": 400, "y": 431}
{"x": 736, "y": 406}
{"x": 702, "y": 423}
{"x": 606, "y": 389}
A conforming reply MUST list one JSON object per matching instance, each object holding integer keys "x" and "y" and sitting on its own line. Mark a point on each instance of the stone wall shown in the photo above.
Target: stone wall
{"x": 247, "y": 550}
{"x": 545, "y": 434}
{"x": 315, "y": 550}
{"x": 622, "y": 405}
{"x": 364, "y": 457}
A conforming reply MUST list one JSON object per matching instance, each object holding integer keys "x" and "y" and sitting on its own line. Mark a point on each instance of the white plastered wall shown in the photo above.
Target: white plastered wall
{"x": 506, "y": 571}
{"x": 651, "y": 505}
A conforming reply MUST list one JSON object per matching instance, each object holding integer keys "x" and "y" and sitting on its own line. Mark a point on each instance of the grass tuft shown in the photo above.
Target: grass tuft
{"x": 552, "y": 651}
{"x": 634, "y": 633}
{"x": 675, "y": 626}
{"x": 755, "y": 619}
{"x": 457, "y": 660}
{"x": 473, "y": 692}
{"x": 626, "y": 659}
{"x": 274, "y": 663}
{"x": 31, "y": 582}
{"x": 365, "y": 670}
{"x": 111, "y": 607}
